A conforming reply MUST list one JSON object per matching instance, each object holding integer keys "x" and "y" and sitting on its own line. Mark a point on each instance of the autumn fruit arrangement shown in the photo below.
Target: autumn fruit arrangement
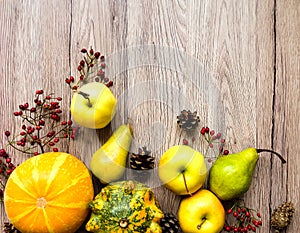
{"x": 52, "y": 190}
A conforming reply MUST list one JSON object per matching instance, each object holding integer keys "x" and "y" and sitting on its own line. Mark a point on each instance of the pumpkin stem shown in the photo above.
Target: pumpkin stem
{"x": 41, "y": 202}
{"x": 123, "y": 223}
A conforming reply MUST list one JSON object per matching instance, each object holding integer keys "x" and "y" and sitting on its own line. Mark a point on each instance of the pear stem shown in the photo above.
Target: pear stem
{"x": 185, "y": 184}
{"x": 274, "y": 152}
{"x": 86, "y": 96}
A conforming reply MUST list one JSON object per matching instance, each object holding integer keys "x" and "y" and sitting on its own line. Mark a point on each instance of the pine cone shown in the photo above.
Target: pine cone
{"x": 187, "y": 120}
{"x": 10, "y": 228}
{"x": 141, "y": 163}
{"x": 169, "y": 224}
{"x": 282, "y": 216}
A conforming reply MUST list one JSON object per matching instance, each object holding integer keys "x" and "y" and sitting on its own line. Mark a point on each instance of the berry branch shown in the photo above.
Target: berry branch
{"x": 90, "y": 68}
{"x": 42, "y": 128}
{"x": 246, "y": 219}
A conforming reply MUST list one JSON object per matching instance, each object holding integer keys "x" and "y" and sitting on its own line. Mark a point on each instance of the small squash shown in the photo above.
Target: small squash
{"x": 125, "y": 207}
{"x": 49, "y": 193}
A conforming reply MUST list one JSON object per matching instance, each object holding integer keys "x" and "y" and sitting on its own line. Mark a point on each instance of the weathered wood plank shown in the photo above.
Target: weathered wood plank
{"x": 286, "y": 180}
{"x": 34, "y": 54}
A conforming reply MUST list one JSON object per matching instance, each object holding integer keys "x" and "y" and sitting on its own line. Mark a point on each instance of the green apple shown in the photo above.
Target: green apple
{"x": 201, "y": 213}
{"x": 182, "y": 169}
{"x": 93, "y": 105}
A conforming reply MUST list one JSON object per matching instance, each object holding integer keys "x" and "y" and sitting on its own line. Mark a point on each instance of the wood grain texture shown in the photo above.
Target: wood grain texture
{"x": 235, "y": 62}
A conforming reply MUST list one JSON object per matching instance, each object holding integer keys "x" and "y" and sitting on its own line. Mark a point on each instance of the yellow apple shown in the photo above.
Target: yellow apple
{"x": 182, "y": 169}
{"x": 201, "y": 213}
{"x": 93, "y": 105}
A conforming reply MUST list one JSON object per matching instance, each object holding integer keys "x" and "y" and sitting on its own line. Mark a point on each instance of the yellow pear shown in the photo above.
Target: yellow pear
{"x": 108, "y": 163}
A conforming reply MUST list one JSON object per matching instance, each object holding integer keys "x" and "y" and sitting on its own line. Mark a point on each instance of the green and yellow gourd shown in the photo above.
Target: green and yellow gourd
{"x": 125, "y": 207}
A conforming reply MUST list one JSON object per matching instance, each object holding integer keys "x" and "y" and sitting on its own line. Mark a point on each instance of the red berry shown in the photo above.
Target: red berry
{"x": 97, "y": 55}
{"x": 2, "y": 152}
{"x": 103, "y": 64}
{"x": 38, "y": 127}
{"x": 51, "y": 143}
{"x": 259, "y": 223}
{"x": 100, "y": 72}
{"x": 71, "y": 78}
{"x": 81, "y": 77}
{"x": 229, "y": 211}
{"x": 81, "y": 63}
{"x": 235, "y": 214}
{"x": 51, "y": 134}
{"x": 227, "y": 228}
{"x": 248, "y": 214}
{"x": 9, "y": 171}
{"x": 185, "y": 142}
{"x": 55, "y": 149}
{"x": 68, "y": 81}
{"x": 33, "y": 110}
{"x": 35, "y": 153}
{"x": 83, "y": 50}
{"x": 8, "y": 160}
{"x": 79, "y": 68}
{"x": 39, "y": 92}
{"x": 214, "y": 138}
{"x": 225, "y": 152}
{"x": 7, "y": 133}
{"x": 41, "y": 122}
{"x": 70, "y": 122}
{"x": 206, "y": 130}
{"x": 56, "y": 140}
{"x": 109, "y": 84}
{"x": 59, "y": 99}
{"x": 202, "y": 131}
{"x": 258, "y": 215}
{"x": 91, "y": 51}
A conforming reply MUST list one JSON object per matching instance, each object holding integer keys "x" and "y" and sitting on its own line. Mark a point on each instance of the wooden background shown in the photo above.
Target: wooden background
{"x": 236, "y": 62}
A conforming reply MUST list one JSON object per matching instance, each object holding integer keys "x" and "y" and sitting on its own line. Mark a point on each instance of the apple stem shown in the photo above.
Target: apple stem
{"x": 200, "y": 224}
{"x": 274, "y": 152}
{"x": 86, "y": 96}
{"x": 185, "y": 184}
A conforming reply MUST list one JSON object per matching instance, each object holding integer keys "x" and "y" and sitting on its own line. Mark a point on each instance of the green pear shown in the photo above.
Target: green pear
{"x": 231, "y": 175}
{"x": 108, "y": 163}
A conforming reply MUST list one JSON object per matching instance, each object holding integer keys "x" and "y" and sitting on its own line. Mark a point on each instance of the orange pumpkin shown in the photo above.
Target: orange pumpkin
{"x": 49, "y": 193}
